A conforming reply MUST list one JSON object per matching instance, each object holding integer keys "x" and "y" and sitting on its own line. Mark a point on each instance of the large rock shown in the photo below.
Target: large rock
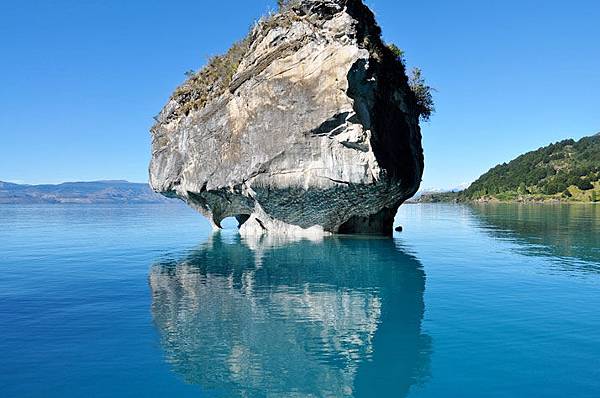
{"x": 316, "y": 130}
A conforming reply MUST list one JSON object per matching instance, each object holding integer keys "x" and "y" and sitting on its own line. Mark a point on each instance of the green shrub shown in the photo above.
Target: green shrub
{"x": 416, "y": 82}
{"x": 522, "y": 190}
{"x": 397, "y": 51}
{"x": 422, "y": 91}
{"x": 584, "y": 185}
{"x": 209, "y": 82}
{"x": 506, "y": 196}
{"x": 215, "y": 77}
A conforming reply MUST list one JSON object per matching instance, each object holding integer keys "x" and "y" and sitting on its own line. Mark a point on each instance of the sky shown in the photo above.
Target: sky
{"x": 80, "y": 80}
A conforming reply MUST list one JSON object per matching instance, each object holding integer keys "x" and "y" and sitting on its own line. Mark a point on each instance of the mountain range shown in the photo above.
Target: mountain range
{"x": 91, "y": 192}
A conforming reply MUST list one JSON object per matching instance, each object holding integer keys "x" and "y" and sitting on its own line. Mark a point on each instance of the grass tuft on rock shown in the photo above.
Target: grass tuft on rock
{"x": 214, "y": 79}
{"x": 209, "y": 82}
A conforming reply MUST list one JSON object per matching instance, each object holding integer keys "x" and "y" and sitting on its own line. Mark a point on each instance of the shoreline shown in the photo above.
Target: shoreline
{"x": 548, "y": 201}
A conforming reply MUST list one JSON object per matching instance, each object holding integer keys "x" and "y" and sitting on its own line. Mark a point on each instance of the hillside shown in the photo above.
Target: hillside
{"x": 107, "y": 192}
{"x": 435, "y": 197}
{"x": 567, "y": 170}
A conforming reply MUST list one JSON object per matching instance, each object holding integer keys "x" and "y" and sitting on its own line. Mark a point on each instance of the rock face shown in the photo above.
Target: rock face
{"x": 316, "y": 131}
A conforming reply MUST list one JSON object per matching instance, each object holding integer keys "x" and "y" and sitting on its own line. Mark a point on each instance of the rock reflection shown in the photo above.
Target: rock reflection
{"x": 337, "y": 317}
{"x": 568, "y": 230}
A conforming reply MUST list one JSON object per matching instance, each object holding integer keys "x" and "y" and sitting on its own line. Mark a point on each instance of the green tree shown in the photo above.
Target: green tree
{"x": 584, "y": 185}
{"x": 422, "y": 92}
{"x": 417, "y": 84}
{"x": 522, "y": 190}
{"x": 397, "y": 51}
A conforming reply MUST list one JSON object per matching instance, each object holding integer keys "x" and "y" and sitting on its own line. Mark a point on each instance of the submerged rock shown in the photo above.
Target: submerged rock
{"x": 307, "y": 125}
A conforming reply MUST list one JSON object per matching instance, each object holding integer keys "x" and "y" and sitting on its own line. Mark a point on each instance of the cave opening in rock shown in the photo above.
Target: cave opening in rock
{"x": 234, "y": 222}
{"x": 229, "y": 223}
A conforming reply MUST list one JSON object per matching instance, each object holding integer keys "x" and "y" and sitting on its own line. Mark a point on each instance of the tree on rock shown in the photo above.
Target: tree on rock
{"x": 422, "y": 92}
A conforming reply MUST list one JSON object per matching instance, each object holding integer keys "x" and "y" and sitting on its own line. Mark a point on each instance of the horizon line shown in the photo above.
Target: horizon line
{"x": 112, "y": 180}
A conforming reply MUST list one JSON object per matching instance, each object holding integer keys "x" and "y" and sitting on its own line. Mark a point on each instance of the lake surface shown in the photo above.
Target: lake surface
{"x": 468, "y": 301}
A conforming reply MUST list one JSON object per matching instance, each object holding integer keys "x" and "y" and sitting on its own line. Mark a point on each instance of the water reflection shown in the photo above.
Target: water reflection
{"x": 339, "y": 317}
{"x": 555, "y": 230}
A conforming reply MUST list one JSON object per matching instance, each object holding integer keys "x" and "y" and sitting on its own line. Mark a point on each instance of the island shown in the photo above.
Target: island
{"x": 309, "y": 125}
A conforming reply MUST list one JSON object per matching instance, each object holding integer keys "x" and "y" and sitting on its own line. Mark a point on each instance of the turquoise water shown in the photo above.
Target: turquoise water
{"x": 468, "y": 301}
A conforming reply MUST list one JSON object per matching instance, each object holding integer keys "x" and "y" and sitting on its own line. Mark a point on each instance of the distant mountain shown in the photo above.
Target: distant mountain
{"x": 428, "y": 195}
{"x": 567, "y": 170}
{"x": 107, "y": 192}
{"x": 435, "y": 197}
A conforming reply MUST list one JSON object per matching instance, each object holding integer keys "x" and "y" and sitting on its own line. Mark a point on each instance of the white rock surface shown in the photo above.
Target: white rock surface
{"x": 318, "y": 132}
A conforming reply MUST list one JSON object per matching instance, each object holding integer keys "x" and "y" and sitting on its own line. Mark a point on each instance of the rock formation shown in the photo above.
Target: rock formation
{"x": 307, "y": 125}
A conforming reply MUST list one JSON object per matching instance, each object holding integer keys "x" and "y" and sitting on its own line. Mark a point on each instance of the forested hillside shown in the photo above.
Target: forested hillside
{"x": 566, "y": 170}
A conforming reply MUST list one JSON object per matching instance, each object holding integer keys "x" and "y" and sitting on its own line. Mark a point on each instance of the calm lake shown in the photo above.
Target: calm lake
{"x": 468, "y": 301}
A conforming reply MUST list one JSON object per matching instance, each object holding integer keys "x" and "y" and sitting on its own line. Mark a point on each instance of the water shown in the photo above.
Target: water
{"x": 469, "y": 301}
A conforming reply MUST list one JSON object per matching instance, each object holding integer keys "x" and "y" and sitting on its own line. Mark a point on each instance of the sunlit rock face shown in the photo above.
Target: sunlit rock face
{"x": 317, "y": 131}
{"x": 297, "y": 319}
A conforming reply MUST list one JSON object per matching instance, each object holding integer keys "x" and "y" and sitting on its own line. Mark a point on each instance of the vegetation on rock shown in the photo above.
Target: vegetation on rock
{"x": 213, "y": 80}
{"x": 209, "y": 82}
{"x": 307, "y": 126}
{"x": 416, "y": 82}
{"x": 422, "y": 91}
{"x": 282, "y": 4}
{"x": 397, "y": 51}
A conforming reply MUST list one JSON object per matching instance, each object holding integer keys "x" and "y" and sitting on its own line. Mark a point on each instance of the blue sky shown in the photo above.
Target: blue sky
{"x": 80, "y": 80}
